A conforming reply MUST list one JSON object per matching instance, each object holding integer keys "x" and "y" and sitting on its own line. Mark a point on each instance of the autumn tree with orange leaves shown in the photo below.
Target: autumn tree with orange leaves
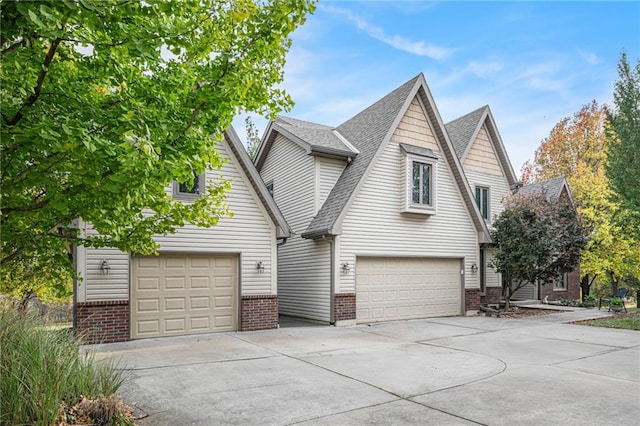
{"x": 577, "y": 149}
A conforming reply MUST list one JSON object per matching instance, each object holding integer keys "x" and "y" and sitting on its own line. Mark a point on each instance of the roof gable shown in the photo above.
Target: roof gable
{"x": 369, "y": 131}
{"x": 316, "y": 139}
{"x": 464, "y": 132}
{"x": 553, "y": 189}
{"x": 240, "y": 153}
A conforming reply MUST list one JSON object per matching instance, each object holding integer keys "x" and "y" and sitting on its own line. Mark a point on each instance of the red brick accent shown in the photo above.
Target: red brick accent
{"x": 345, "y": 306}
{"x": 472, "y": 299}
{"x": 493, "y": 296}
{"x": 572, "y": 291}
{"x": 104, "y": 321}
{"x": 259, "y": 312}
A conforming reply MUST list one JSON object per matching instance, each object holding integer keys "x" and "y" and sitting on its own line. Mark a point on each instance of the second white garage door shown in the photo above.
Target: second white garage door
{"x": 183, "y": 294}
{"x": 407, "y": 288}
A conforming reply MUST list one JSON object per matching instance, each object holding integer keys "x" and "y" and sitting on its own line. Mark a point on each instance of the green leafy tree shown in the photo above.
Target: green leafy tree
{"x": 253, "y": 138}
{"x": 537, "y": 240}
{"x": 577, "y": 149}
{"x": 105, "y": 103}
{"x": 623, "y": 165}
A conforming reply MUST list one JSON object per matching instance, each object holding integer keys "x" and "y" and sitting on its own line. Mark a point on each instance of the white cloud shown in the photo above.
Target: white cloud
{"x": 589, "y": 58}
{"x": 418, "y": 48}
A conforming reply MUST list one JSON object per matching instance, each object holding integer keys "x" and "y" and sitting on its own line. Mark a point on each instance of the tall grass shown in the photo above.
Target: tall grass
{"x": 40, "y": 368}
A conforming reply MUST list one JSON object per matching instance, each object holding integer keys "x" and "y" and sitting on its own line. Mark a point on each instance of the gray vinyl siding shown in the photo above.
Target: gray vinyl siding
{"x": 374, "y": 225}
{"x": 250, "y": 233}
{"x": 526, "y": 292}
{"x": 303, "y": 265}
{"x": 327, "y": 173}
{"x": 498, "y": 189}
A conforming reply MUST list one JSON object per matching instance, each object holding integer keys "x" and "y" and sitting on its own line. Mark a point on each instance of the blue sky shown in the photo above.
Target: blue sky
{"x": 533, "y": 63}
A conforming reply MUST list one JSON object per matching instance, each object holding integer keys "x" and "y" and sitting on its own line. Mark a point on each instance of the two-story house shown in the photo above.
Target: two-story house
{"x": 389, "y": 210}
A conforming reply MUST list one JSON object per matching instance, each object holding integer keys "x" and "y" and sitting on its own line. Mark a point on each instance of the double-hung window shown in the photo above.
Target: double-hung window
{"x": 482, "y": 200}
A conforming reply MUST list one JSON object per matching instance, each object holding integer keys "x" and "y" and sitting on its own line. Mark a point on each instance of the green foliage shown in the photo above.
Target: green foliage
{"x": 623, "y": 163}
{"x": 616, "y": 301}
{"x": 41, "y": 368}
{"x": 105, "y": 103}
{"x": 537, "y": 240}
{"x": 253, "y": 138}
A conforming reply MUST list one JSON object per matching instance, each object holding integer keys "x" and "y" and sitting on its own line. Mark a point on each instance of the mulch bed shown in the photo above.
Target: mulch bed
{"x": 520, "y": 312}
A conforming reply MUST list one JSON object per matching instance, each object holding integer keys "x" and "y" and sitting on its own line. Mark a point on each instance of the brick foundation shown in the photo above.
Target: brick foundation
{"x": 104, "y": 321}
{"x": 493, "y": 296}
{"x": 259, "y": 312}
{"x": 472, "y": 299}
{"x": 345, "y": 306}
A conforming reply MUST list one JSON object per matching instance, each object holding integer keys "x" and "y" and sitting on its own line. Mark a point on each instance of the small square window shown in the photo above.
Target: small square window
{"x": 191, "y": 189}
{"x": 270, "y": 188}
{"x": 482, "y": 200}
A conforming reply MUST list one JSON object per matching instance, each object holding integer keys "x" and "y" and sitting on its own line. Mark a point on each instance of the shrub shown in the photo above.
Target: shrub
{"x": 41, "y": 369}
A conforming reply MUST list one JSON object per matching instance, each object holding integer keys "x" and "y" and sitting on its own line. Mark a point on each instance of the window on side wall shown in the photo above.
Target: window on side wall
{"x": 270, "y": 188}
{"x": 190, "y": 189}
{"x": 560, "y": 283}
{"x": 419, "y": 166}
{"x": 482, "y": 200}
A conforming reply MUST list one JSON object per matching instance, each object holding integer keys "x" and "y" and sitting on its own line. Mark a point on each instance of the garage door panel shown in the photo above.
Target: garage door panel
{"x": 406, "y": 288}
{"x": 200, "y": 283}
{"x": 173, "y": 295}
{"x": 148, "y": 305}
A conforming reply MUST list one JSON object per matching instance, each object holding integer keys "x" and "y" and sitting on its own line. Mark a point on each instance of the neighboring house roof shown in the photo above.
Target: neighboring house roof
{"x": 368, "y": 132}
{"x": 316, "y": 139}
{"x": 552, "y": 188}
{"x": 464, "y": 130}
{"x": 282, "y": 228}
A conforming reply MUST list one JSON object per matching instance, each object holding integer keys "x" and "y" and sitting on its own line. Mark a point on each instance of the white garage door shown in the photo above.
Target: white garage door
{"x": 183, "y": 294}
{"x": 407, "y": 288}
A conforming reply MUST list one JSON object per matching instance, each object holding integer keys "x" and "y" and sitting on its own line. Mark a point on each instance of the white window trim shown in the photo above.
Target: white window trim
{"x": 488, "y": 188}
{"x": 407, "y": 204}
{"x": 565, "y": 283}
{"x": 178, "y": 195}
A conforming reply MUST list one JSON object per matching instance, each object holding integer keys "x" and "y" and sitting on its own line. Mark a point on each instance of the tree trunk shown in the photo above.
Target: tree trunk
{"x": 613, "y": 280}
{"x": 585, "y": 285}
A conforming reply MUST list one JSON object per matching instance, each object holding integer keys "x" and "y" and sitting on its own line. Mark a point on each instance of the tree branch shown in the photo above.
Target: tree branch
{"x": 19, "y": 44}
{"x": 36, "y": 90}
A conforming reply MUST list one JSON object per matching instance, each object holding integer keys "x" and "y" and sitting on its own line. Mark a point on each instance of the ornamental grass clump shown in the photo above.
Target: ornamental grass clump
{"x": 42, "y": 369}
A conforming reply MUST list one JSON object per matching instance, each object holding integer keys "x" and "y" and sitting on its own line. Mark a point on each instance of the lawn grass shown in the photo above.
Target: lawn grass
{"x": 628, "y": 321}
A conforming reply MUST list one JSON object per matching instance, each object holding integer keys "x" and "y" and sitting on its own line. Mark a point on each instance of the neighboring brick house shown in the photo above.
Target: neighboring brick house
{"x": 568, "y": 285}
{"x": 222, "y": 278}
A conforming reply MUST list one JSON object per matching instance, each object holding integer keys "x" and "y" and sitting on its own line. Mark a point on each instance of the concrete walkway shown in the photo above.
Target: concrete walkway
{"x": 443, "y": 371}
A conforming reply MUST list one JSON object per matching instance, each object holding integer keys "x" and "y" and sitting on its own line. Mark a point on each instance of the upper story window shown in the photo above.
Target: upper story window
{"x": 419, "y": 165}
{"x": 190, "y": 189}
{"x": 421, "y": 184}
{"x": 270, "y": 188}
{"x": 482, "y": 200}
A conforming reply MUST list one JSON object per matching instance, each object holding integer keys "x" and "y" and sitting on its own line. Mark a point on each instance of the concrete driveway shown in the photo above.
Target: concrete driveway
{"x": 444, "y": 371}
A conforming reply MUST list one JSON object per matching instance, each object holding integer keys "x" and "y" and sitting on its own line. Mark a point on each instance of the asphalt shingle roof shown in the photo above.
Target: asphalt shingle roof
{"x": 366, "y": 132}
{"x": 552, "y": 188}
{"x": 317, "y": 135}
{"x": 462, "y": 129}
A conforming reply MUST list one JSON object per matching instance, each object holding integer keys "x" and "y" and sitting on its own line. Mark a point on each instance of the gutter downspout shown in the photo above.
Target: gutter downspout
{"x": 332, "y": 316}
